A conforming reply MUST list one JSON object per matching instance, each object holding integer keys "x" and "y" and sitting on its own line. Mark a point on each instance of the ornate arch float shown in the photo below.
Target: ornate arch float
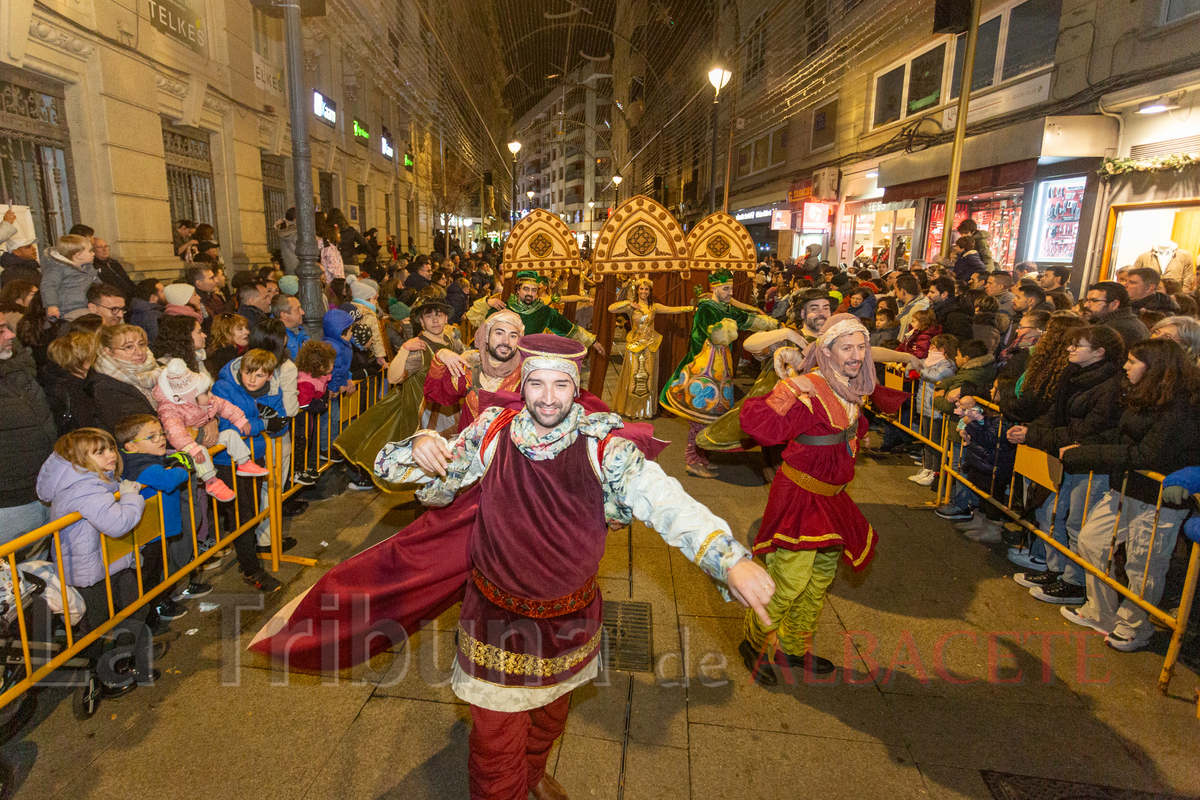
{"x": 541, "y": 242}
{"x": 720, "y": 242}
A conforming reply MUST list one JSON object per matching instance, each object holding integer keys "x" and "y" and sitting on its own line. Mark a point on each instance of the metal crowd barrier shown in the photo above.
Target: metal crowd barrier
{"x": 279, "y": 486}
{"x": 1045, "y": 470}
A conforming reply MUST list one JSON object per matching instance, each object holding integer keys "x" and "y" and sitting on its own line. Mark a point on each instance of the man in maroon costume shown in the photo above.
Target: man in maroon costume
{"x": 493, "y": 366}
{"x": 529, "y": 629}
{"x": 810, "y": 522}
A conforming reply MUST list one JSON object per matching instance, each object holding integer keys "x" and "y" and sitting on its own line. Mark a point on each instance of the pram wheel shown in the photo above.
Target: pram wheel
{"x": 87, "y": 696}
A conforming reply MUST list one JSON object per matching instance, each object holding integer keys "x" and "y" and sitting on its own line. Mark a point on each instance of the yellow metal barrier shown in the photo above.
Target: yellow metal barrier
{"x": 152, "y": 525}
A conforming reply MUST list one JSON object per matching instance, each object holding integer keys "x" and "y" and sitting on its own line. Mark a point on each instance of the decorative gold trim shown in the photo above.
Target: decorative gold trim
{"x": 493, "y": 658}
{"x": 707, "y": 543}
{"x": 809, "y": 483}
{"x": 721, "y": 242}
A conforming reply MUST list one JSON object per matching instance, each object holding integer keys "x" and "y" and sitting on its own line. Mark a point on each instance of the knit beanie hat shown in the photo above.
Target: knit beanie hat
{"x": 363, "y": 290}
{"x": 180, "y": 384}
{"x": 289, "y": 285}
{"x": 179, "y": 294}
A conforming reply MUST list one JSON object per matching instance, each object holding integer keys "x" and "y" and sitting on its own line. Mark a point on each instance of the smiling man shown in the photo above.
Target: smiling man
{"x": 530, "y": 628}
{"x": 810, "y": 521}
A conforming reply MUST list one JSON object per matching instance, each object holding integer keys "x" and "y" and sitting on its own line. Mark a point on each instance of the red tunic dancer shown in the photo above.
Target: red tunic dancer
{"x": 810, "y": 522}
{"x": 493, "y": 366}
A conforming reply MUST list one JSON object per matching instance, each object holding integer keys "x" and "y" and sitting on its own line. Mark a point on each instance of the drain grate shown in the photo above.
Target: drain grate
{"x": 1006, "y": 786}
{"x": 628, "y": 644}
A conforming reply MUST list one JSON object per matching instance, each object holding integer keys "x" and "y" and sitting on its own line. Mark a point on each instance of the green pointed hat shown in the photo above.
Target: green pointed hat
{"x": 719, "y": 277}
{"x": 531, "y": 276}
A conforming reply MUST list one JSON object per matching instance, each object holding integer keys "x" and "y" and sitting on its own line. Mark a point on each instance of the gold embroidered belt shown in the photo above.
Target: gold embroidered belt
{"x": 811, "y": 484}
{"x": 537, "y": 609}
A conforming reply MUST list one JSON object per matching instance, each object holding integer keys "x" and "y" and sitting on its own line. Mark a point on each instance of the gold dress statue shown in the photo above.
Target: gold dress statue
{"x": 636, "y": 395}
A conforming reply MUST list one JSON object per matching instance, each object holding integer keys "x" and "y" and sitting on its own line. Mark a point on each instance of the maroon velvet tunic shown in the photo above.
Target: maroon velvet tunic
{"x": 539, "y": 535}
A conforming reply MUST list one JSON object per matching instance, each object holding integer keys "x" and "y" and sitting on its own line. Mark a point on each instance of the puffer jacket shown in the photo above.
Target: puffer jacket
{"x": 1161, "y": 439}
{"x": 65, "y": 284}
{"x": 69, "y": 489}
{"x": 1087, "y": 402}
{"x": 334, "y": 324}
{"x": 27, "y": 430}
{"x": 990, "y": 327}
{"x": 977, "y": 373}
{"x": 917, "y": 342}
{"x": 229, "y": 387}
{"x": 176, "y": 418}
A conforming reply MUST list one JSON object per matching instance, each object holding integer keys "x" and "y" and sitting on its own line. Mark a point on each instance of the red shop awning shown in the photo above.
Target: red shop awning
{"x": 973, "y": 181}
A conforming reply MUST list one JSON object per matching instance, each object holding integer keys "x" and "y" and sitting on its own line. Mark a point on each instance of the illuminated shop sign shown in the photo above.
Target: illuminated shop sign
{"x": 325, "y": 108}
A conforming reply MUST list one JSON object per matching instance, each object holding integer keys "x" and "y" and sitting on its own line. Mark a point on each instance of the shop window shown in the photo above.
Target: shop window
{"x": 1032, "y": 35}
{"x": 35, "y": 153}
{"x": 824, "y": 125}
{"x": 755, "y": 49}
{"x": 998, "y": 214}
{"x": 987, "y": 47}
{"x": 1158, "y": 233}
{"x": 1175, "y": 10}
{"x": 274, "y": 185}
{"x": 889, "y": 94}
{"x": 189, "y": 174}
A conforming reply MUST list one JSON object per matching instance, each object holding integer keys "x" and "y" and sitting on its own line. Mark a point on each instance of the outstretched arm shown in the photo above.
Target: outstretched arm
{"x": 635, "y": 487}
{"x": 763, "y": 340}
{"x": 443, "y": 467}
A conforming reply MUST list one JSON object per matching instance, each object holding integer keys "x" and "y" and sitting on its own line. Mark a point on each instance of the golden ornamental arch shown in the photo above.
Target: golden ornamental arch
{"x": 542, "y": 242}
{"x": 640, "y": 237}
{"x": 720, "y": 242}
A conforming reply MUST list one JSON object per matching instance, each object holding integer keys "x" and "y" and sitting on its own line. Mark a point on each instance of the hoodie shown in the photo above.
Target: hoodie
{"x": 69, "y": 489}
{"x": 334, "y": 324}
{"x": 155, "y": 476}
{"x": 229, "y": 387}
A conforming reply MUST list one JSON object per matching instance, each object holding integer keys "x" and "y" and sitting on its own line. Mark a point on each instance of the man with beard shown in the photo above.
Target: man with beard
{"x": 493, "y": 366}
{"x": 535, "y": 314}
{"x": 520, "y": 656}
{"x": 810, "y": 521}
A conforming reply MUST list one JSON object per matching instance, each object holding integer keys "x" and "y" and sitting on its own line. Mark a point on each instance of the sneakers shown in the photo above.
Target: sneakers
{"x": 306, "y": 478}
{"x": 987, "y": 533}
{"x": 216, "y": 561}
{"x": 219, "y": 489}
{"x": 974, "y": 523}
{"x": 361, "y": 484}
{"x": 1034, "y": 580}
{"x": 700, "y": 471}
{"x": 1072, "y": 614}
{"x": 1060, "y": 592}
{"x": 924, "y": 478}
{"x": 951, "y": 511}
{"x": 263, "y": 582}
{"x": 1021, "y": 557}
{"x": 252, "y": 470}
{"x": 335, "y": 457}
{"x": 1118, "y": 642}
{"x": 192, "y": 591}
{"x": 168, "y": 609}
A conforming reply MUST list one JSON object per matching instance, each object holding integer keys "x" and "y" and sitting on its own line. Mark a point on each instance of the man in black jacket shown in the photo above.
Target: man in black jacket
{"x": 27, "y": 436}
{"x": 21, "y": 264}
{"x": 1142, "y": 284}
{"x": 254, "y": 302}
{"x": 110, "y": 270}
{"x": 951, "y": 317}
{"x": 1107, "y": 303}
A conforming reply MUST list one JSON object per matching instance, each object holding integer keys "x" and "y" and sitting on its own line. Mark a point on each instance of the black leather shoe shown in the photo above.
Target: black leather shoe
{"x": 762, "y": 670}
{"x": 810, "y": 661}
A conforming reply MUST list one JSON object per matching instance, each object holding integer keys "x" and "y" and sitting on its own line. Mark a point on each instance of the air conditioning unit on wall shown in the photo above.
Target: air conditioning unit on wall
{"x": 825, "y": 184}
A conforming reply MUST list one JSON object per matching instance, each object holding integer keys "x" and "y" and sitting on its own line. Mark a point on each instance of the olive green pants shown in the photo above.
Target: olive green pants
{"x": 802, "y": 578}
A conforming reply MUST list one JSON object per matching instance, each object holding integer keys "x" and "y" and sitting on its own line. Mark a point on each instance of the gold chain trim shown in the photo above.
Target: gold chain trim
{"x": 493, "y": 658}
{"x": 809, "y": 483}
{"x": 706, "y": 544}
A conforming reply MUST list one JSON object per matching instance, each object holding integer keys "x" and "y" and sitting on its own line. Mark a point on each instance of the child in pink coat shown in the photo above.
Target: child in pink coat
{"x": 184, "y": 402}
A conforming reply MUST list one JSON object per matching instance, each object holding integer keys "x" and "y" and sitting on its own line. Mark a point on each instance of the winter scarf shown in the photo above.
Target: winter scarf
{"x": 143, "y": 376}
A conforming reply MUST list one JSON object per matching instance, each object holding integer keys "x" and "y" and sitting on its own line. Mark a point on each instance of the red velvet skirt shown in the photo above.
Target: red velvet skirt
{"x": 797, "y": 519}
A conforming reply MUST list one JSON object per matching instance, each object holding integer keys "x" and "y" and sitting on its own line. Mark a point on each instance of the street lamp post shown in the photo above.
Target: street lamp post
{"x": 514, "y": 147}
{"x": 591, "y": 225}
{"x": 616, "y": 179}
{"x": 718, "y": 76}
{"x": 529, "y": 194}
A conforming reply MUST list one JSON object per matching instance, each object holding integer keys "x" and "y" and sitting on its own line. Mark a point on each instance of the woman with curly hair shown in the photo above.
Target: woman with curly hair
{"x": 1159, "y": 430}
{"x": 183, "y": 338}
{"x": 1048, "y": 361}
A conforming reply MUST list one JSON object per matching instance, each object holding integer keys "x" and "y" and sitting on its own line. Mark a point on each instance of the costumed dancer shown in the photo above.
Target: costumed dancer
{"x": 806, "y": 315}
{"x": 701, "y": 388}
{"x": 636, "y": 395}
{"x": 530, "y": 627}
{"x": 405, "y": 408}
{"x": 493, "y": 366}
{"x": 537, "y": 316}
{"x": 810, "y": 521}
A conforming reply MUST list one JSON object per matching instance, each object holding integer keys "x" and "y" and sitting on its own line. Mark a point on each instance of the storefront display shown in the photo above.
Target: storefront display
{"x": 1057, "y": 220}
{"x": 997, "y": 213}
{"x": 1157, "y": 233}
{"x": 875, "y": 233}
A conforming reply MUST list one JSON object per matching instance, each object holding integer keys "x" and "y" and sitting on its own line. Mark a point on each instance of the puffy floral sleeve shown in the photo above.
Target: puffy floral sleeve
{"x": 395, "y": 462}
{"x": 637, "y": 488}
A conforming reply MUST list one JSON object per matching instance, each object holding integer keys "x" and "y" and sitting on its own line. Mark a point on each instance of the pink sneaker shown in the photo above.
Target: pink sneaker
{"x": 217, "y": 488}
{"x": 252, "y": 470}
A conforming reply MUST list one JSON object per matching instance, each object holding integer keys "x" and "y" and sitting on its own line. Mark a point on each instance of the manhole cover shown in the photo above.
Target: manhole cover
{"x": 628, "y": 643}
{"x": 1006, "y": 786}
